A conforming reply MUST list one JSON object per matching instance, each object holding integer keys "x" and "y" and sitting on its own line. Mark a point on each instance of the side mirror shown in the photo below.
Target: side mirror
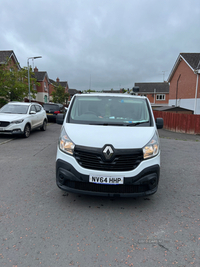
{"x": 159, "y": 123}
{"x": 60, "y": 118}
{"x": 32, "y": 112}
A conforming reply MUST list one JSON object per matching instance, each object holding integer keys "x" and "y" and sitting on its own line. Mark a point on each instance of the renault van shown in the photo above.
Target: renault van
{"x": 109, "y": 146}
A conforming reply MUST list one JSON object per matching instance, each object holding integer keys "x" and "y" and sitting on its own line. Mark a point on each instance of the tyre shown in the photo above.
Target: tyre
{"x": 27, "y": 131}
{"x": 44, "y": 126}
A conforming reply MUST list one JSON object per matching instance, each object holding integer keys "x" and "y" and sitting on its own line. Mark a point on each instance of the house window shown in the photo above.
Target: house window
{"x": 45, "y": 87}
{"x": 45, "y": 99}
{"x": 160, "y": 97}
{"x": 34, "y": 87}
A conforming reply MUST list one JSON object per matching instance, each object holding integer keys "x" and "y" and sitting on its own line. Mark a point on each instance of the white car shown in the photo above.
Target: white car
{"x": 22, "y": 118}
{"x": 109, "y": 146}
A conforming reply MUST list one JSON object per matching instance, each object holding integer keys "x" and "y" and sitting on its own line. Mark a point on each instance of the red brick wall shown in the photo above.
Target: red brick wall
{"x": 51, "y": 87}
{"x": 150, "y": 97}
{"x": 163, "y": 101}
{"x": 160, "y": 102}
{"x": 41, "y": 88}
{"x": 186, "y": 84}
{"x": 11, "y": 64}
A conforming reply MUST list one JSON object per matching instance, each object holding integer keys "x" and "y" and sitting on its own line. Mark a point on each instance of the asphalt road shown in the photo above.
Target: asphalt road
{"x": 40, "y": 225}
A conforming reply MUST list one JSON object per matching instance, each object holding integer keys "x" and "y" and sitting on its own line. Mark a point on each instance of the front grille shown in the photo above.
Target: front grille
{"x": 123, "y": 160}
{"x": 4, "y": 123}
{"x": 107, "y": 188}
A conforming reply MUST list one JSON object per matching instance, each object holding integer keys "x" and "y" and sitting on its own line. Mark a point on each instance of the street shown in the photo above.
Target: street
{"x": 40, "y": 225}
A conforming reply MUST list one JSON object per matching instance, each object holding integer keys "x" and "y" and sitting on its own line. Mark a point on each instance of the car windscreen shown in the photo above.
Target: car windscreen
{"x": 51, "y": 107}
{"x": 14, "y": 109}
{"x": 110, "y": 110}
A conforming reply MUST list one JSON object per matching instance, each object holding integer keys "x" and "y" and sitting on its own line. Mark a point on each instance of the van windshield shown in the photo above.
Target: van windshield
{"x": 110, "y": 110}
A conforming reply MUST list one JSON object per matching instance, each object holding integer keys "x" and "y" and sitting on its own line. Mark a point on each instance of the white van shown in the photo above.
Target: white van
{"x": 109, "y": 146}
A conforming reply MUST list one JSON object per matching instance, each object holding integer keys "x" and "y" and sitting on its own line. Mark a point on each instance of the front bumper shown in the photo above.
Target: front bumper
{"x": 143, "y": 184}
{"x": 14, "y": 131}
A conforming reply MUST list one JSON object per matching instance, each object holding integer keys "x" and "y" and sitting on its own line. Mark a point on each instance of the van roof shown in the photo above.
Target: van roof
{"x": 110, "y": 95}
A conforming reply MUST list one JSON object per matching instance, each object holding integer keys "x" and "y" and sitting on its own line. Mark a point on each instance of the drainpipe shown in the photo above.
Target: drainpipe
{"x": 177, "y": 88}
{"x": 154, "y": 96}
{"x": 197, "y": 82}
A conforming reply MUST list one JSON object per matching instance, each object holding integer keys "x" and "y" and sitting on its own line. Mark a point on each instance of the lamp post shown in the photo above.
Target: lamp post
{"x": 29, "y": 90}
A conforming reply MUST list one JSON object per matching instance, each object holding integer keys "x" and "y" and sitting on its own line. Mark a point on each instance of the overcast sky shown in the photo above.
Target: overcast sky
{"x": 101, "y": 44}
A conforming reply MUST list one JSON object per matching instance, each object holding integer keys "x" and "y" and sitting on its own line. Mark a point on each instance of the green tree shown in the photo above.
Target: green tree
{"x": 59, "y": 95}
{"x": 14, "y": 83}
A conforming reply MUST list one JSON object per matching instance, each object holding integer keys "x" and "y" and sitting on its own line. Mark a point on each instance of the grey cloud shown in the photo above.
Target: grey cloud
{"x": 108, "y": 44}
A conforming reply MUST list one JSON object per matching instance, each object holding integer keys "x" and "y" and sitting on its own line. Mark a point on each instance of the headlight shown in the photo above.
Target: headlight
{"x": 65, "y": 144}
{"x": 18, "y": 121}
{"x": 152, "y": 148}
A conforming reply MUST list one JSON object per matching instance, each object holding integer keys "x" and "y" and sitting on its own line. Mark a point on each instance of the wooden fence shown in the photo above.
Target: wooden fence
{"x": 184, "y": 123}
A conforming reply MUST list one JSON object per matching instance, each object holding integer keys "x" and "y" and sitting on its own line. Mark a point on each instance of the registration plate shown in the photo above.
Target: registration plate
{"x": 106, "y": 180}
{"x": 49, "y": 114}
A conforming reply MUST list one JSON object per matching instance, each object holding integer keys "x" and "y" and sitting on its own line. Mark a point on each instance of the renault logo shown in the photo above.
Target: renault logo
{"x": 108, "y": 152}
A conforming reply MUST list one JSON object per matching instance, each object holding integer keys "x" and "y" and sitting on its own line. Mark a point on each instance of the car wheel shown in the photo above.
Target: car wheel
{"x": 44, "y": 126}
{"x": 27, "y": 131}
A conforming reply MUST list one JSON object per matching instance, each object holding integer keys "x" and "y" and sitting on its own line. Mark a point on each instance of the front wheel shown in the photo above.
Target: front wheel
{"x": 27, "y": 131}
{"x": 44, "y": 126}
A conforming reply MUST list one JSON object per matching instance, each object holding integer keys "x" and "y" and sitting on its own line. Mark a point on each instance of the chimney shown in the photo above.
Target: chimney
{"x": 35, "y": 69}
{"x": 57, "y": 80}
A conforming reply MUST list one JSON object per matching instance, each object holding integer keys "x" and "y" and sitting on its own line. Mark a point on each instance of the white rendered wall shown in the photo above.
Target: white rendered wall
{"x": 186, "y": 103}
{"x": 41, "y": 96}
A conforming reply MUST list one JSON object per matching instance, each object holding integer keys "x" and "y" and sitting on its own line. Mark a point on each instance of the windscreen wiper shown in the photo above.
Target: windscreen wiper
{"x": 137, "y": 123}
{"x": 107, "y": 124}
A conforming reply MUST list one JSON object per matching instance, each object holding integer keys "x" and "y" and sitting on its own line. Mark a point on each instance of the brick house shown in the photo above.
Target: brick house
{"x": 42, "y": 89}
{"x": 5, "y": 56}
{"x": 52, "y": 85}
{"x": 51, "y": 88}
{"x": 46, "y": 85}
{"x": 156, "y": 92}
{"x": 9, "y": 55}
{"x": 184, "y": 82}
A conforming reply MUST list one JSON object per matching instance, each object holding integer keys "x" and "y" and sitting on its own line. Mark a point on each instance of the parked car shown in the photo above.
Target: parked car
{"x": 52, "y": 110}
{"x": 22, "y": 118}
{"x": 109, "y": 146}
